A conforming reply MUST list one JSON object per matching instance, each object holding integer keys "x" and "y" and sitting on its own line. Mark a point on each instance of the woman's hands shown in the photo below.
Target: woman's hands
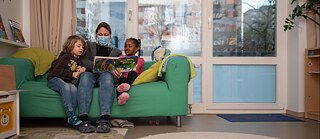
{"x": 117, "y": 73}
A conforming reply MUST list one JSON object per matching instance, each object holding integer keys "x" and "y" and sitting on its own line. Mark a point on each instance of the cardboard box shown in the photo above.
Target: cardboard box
{"x": 9, "y": 114}
{"x": 9, "y": 102}
{"x": 7, "y": 78}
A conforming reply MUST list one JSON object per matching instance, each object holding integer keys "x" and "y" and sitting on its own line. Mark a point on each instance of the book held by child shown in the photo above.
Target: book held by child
{"x": 122, "y": 63}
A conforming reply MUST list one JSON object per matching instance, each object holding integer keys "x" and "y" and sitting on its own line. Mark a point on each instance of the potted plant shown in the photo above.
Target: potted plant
{"x": 308, "y": 10}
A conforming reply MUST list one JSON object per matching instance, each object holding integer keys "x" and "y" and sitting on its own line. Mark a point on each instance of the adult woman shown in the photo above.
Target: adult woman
{"x": 89, "y": 80}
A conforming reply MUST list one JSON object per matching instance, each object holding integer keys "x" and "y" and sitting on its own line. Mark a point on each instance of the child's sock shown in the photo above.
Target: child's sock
{"x": 123, "y": 98}
{"x": 124, "y": 87}
{"x": 72, "y": 119}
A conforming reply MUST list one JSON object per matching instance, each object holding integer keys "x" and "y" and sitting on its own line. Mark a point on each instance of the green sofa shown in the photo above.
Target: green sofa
{"x": 167, "y": 97}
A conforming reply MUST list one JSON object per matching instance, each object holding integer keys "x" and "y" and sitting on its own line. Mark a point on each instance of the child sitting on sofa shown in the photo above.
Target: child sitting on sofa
{"x": 132, "y": 46}
{"x": 63, "y": 75}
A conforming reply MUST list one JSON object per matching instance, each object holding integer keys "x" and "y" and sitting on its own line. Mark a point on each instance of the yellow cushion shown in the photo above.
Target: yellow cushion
{"x": 149, "y": 75}
{"x": 40, "y": 58}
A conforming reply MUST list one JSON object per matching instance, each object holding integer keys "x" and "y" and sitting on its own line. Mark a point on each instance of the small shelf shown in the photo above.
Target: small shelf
{"x": 12, "y": 43}
{"x": 314, "y": 72}
{"x": 314, "y": 56}
{"x": 316, "y": 113}
{"x": 312, "y": 81}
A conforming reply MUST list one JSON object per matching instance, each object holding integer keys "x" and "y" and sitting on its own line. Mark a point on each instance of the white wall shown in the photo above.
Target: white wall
{"x": 297, "y": 42}
{"x": 12, "y": 10}
{"x": 26, "y": 20}
{"x": 296, "y": 56}
{"x": 19, "y": 10}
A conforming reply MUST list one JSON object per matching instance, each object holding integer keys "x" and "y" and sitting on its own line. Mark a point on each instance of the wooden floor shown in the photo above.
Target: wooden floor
{"x": 309, "y": 129}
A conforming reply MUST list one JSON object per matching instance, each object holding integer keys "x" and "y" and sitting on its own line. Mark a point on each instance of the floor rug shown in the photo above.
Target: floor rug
{"x": 258, "y": 118}
{"x": 206, "y": 135}
{"x": 68, "y": 133}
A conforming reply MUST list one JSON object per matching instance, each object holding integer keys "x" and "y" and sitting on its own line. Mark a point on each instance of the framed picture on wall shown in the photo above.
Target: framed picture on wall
{"x": 16, "y": 31}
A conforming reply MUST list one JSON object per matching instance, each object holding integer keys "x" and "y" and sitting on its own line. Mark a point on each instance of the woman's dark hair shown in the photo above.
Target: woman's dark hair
{"x": 138, "y": 42}
{"x": 105, "y": 25}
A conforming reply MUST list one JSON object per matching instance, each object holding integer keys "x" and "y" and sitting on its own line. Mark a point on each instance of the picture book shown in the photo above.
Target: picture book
{"x": 16, "y": 31}
{"x": 3, "y": 33}
{"x": 124, "y": 64}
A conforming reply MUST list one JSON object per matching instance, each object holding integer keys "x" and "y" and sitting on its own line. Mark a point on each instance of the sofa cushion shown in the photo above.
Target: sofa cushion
{"x": 149, "y": 75}
{"x": 38, "y": 95}
{"x": 40, "y": 58}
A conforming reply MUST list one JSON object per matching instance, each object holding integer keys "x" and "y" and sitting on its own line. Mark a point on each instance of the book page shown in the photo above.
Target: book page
{"x": 109, "y": 64}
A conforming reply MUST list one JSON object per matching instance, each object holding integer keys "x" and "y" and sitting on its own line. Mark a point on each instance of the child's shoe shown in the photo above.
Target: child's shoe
{"x": 123, "y": 98}
{"x": 124, "y": 87}
{"x": 72, "y": 119}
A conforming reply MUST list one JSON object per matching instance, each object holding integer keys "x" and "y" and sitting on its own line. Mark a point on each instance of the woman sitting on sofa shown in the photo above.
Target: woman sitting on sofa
{"x": 105, "y": 81}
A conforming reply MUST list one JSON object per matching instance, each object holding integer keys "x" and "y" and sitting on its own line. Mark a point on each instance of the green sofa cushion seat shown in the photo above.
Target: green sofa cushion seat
{"x": 155, "y": 94}
{"x": 40, "y": 96}
{"x": 42, "y": 78}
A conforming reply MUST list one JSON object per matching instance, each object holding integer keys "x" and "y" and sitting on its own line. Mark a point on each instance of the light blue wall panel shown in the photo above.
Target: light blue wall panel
{"x": 244, "y": 83}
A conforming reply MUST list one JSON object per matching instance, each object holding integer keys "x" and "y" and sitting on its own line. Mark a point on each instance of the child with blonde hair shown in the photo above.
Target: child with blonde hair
{"x": 63, "y": 75}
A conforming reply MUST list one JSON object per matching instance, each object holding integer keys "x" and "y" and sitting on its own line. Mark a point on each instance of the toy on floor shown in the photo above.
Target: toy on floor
{"x": 154, "y": 122}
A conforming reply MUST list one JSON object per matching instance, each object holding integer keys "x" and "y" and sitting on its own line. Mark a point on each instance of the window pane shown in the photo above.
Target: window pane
{"x": 244, "y": 28}
{"x": 197, "y": 85}
{"x": 244, "y": 83}
{"x": 174, "y": 24}
{"x": 91, "y": 13}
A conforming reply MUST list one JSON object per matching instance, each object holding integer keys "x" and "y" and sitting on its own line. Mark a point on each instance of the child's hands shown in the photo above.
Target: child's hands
{"x": 82, "y": 69}
{"x": 117, "y": 73}
{"x": 76, "y": 74}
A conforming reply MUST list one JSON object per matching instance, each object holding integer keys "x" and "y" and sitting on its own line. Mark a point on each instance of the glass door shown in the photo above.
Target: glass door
{"x": 245, "y": 62}
{"x": 174, "y": 24}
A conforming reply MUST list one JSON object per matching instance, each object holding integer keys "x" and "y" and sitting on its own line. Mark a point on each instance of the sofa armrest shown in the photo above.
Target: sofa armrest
{"x": 24, "y": 70}
{"x": 177, "y": 74}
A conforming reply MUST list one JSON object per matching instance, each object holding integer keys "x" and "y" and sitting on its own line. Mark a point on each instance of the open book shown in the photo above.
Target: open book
{"x": 124, "y": 64}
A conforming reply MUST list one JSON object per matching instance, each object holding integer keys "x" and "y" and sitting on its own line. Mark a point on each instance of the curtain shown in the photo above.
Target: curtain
{"x": 317, "y": 33}
{"x": 46, "y": 24}
{"x": 74, "y": 17}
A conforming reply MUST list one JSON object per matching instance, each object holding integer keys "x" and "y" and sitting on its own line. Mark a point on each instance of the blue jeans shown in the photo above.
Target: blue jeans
{"x": 105, "y": 82}
{"x": 68, "y": 92}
